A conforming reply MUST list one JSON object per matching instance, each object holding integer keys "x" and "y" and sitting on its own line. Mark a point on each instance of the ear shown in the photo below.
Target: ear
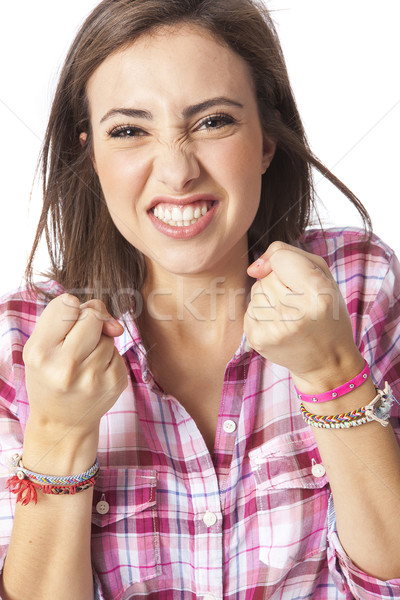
{"x": 82, "y": 139}
{"x": 269, "y": 147}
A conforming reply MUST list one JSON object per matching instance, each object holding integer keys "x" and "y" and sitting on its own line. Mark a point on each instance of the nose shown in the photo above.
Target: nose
{"x": 176, "y": 168}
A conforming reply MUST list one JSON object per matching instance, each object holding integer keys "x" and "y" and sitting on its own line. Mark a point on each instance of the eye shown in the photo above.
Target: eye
{"x": 126, "y": 131}
{"x": 216, "y": 122}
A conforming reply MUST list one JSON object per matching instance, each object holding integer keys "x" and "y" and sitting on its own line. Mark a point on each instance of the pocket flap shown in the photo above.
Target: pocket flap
{"x": 286, "y": 462}
{"x": 127, "y": 492}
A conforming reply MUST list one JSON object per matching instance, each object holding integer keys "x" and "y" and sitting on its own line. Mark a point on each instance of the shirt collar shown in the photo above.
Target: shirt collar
{"x": 131, "y": 340}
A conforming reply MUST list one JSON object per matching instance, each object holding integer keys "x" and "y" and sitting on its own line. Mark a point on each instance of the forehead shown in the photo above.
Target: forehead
{"x": 174, "y": 63}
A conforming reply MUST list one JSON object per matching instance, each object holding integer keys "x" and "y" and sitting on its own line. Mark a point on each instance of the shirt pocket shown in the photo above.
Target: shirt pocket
{"x": 125, "y": 531}
{"x": 292, "y": 502}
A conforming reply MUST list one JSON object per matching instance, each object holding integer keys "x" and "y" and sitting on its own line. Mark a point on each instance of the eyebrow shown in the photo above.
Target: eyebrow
{"x": 187, "y": 113}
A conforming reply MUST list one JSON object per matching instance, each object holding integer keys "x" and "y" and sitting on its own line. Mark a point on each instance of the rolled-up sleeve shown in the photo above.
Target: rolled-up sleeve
{"x": 348, "y": 578}
{"x": 10, "y": 443}
{"x": 377, "y": 334}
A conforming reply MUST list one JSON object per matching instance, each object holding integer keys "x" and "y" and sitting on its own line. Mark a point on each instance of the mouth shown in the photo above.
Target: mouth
{"x": 183, "y": 218}
{"x": 182, "y": 215}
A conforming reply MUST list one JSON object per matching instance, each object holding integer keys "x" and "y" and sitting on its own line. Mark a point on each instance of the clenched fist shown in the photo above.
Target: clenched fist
{"x": 297, "y": 318}
{"x": 74, "y": 373}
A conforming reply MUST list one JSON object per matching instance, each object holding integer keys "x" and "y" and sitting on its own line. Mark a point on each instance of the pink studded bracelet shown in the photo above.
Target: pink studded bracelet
{"x": 339, "y": 391}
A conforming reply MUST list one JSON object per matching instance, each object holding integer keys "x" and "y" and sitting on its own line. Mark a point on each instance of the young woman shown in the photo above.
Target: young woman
{"x": 160, "y": 387}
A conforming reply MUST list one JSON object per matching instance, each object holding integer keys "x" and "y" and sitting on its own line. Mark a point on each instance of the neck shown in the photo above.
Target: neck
{"x": 205, "y": 306}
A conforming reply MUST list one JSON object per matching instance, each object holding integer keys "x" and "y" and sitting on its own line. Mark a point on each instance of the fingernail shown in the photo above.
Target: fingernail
{"x": 258, "y": 263}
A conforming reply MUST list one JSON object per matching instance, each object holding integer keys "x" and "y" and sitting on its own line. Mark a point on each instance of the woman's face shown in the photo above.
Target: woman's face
{"x": 179, "y": 149}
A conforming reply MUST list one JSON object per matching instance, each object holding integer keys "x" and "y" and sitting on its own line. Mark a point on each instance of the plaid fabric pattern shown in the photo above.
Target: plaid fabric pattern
{"x": 252, "y": 522}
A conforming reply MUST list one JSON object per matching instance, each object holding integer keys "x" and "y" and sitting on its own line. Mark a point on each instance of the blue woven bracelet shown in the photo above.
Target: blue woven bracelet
{"x": 22, "y": 472}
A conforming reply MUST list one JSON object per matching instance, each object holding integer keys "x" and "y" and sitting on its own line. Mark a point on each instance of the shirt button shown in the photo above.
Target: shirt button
{"x": 210, "y": 518}
{"x": 102, "y": 507}
{"x": 317, "y": 470}
{"x": 229, "y": 426}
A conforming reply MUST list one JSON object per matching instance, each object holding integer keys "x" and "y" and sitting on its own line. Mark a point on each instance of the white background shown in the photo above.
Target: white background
{"x": 343, "y": 60}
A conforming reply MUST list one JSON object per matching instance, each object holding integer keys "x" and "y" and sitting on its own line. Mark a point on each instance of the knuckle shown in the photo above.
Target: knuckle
{"x": 91, "y": 379}
{"x": 90, "y": 313}
{"x": 66, "y": 301}
{"x": 65, "y": 377}
{"x": 96, "y": 305}
{"x": 323, "y": 302}
{"x": 34, "y": 355}
{"x": 277, "y": 246}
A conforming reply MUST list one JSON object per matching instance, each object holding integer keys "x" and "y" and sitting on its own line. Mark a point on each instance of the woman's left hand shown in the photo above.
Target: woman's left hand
{"x": 297, "y": 318}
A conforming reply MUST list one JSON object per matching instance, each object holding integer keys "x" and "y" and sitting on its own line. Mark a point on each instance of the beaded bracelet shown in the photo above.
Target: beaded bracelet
{"x": 25, "y": 483}
{"x": 357, "y": 417}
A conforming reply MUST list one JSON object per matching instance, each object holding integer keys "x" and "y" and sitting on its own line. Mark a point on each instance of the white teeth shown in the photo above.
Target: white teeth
{"x": 176, "y": 214}
{"x": 181, "y": 217}
{"x": 187, "y": 214}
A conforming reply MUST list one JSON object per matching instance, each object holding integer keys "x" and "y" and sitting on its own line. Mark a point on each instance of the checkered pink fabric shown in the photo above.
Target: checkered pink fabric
{"x": 250, "y": 522}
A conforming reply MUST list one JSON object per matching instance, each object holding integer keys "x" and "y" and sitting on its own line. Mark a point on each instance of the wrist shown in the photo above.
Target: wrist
{"x": 54, "y": 451}
{"x": 332, "y": 375}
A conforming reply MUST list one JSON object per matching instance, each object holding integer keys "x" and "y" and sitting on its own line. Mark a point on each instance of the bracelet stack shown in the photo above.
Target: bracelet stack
{"x": 365, "y": 414}
{"x": 25, "y": 483}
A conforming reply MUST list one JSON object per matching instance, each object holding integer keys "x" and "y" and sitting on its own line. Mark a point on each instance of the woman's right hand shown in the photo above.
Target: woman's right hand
{"x": 74, "y": 373}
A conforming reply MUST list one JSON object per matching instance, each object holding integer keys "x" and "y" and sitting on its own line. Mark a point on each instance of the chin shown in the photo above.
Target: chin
{"x": 185, "y": 269}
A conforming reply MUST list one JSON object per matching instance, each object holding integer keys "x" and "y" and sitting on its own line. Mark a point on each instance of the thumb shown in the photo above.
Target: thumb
{"x": 260, "y": 268}
{"x": 111, "y": 326}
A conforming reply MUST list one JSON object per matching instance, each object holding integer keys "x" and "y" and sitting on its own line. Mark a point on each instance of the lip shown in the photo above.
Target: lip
{"x": 182, "y": 201}
{"x": 186, "y": 232}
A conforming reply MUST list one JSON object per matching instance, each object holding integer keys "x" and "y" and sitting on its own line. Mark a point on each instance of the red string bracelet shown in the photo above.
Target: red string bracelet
{"x": 25, "y": 483}
{"x": 26, "y": 489}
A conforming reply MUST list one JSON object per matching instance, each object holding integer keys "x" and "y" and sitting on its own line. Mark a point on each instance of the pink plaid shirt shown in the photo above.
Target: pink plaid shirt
{"x": 253, "y": 521}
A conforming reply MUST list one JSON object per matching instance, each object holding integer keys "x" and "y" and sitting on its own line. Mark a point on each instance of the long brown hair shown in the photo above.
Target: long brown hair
{"x": 88, "y": 254}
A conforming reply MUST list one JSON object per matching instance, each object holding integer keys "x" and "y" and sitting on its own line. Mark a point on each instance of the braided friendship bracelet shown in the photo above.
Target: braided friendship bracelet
{"x": 339, "y": 391}
{"x": 25, "y": 483}
{"x": 365, "y": 414}
{"x": 345, "y": 420}
{"x": 22, "y": 472}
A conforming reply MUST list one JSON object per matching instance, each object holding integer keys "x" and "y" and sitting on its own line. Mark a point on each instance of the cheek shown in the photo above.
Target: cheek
{"x": 236, "y": 161}
{"x": 120, "y": 173}
{"x": 245, "y": 180}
